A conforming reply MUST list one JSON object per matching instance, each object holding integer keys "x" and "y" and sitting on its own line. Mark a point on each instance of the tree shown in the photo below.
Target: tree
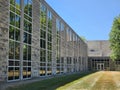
{"x": 83, "y": 38}
{"x": 115, "y": 39}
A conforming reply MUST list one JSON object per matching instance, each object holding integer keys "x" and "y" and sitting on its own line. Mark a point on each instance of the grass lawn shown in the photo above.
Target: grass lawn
{"x": 49, "y": 84}
{"x": 102, "y": 80}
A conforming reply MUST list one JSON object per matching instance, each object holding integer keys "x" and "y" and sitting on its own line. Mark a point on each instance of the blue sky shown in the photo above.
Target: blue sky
{"x": 89, "y": 18}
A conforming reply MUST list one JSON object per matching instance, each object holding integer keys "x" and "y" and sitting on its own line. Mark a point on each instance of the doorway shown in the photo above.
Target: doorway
{"x": 100, "y": 66}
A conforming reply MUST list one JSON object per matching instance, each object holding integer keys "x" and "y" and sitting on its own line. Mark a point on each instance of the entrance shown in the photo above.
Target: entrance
{"x": 100, "y": 66}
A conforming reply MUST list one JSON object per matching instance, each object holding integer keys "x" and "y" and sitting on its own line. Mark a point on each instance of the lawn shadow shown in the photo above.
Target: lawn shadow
{"x": 51, "y": 83}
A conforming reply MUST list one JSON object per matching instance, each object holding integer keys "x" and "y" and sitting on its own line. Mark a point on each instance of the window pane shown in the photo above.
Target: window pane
{"x": 25, "y": 63}
{"x": 10, "y": 73}
{"x": 29, "y": 39}
{"x": 17, "y": 35}
{"x": 17, "y": 20}
{"x": 11, "y": 63}
{"x": 17, "y": 63}
{"x": 11, "y": 49}
{"x": 18, "y": 4}
{"x": 42, "y": 43}
{"x": 17, "y": 51}
{"x": 17, "y": 73}
{"x": 12, "y": 18}
{"x": 12, "y": 2}
{"x": 30, "y": 10}
{"x": 43, "y": 34}
{"x": 25, "y": 52}
{"x": 11, "y": 32}
{"x": 12, "y": 8}
{"x": 29, "y": 63}
{"x": 29, "y": 52}
{"x": 25, "y": 6}
{"x": 29, "y": 27}
{"x": 24, "y": 72}
{"x": 49, "y": 37}
{"x": 25, "y": 25}
{"x": 29, "y": 72}
{"x": 25, "y": 37}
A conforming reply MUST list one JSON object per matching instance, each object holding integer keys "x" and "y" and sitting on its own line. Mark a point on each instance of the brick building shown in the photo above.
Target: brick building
{"x": 35, "y": 41}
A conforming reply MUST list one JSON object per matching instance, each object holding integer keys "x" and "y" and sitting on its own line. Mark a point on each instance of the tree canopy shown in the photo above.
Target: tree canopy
{"x": 115, "y": 39}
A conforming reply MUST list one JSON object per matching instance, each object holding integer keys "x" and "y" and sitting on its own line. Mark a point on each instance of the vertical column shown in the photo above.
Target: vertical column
{"x": 36, "y": 39}
{"x": 4, "y": 36}
{"x": 21, "y": 38}
{"x": 65, "y": 58}
{"x": 54, "y": 67}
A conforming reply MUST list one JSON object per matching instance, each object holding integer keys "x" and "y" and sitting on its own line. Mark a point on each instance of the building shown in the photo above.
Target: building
{"x": 35, "y": 41}
{"x": 99, "y": 56}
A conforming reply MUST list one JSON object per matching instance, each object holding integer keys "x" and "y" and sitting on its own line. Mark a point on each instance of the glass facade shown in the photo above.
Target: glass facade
{"x": 45, "y": 41}
{"x": 57, "y": 44}
{"x": 27, "y": 35}
{"x": 58, "y": 61}
{"x": 15, "y": 41}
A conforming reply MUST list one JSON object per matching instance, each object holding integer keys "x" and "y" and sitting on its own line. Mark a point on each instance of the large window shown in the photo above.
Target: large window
{"x": 45, "y": 41}
{"x": 14, "y": 41}
{"x": 69, "y": 64}
{"x": 58, "y": 25}
{"x": 27, "y": 35}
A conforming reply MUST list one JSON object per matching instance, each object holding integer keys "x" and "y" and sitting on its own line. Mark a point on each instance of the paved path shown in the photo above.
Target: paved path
{"x": 103, "y": 80}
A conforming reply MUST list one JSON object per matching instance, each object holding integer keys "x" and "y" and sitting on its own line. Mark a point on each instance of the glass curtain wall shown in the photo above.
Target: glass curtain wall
{"x": 14, "y": 59}
{"x": 69, "y": 50}
{"x": 45, "y": 41}
{"x": 62, "y": 52}
{"x": 14, "y": 41}
{"x": 58, "y": 25}
{"x": 27, "y": 35}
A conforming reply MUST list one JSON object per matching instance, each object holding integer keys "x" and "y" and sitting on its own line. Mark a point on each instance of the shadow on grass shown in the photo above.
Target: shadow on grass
{"x": 50, "y": 84}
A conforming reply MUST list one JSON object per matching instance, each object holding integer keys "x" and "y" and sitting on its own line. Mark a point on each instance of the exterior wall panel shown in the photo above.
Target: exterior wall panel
{"x": 36, "y": 39}
{"x": 4, "y": 19}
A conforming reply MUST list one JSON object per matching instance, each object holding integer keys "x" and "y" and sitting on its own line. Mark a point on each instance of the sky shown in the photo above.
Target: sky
{"x": 91, "y": 19}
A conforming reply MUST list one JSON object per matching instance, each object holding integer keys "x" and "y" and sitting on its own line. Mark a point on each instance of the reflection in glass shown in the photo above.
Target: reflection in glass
{"x": 25, "y": 37}
{"x": 29, "y": 72}
{"x": 42, "y": 43}
{"x": 10, "y": 73}
{"x": 28, "y": 7}
{"x": 17, "y": 35}
{"x": 29, "y": 52}
{"x": 11, "y": 63}
{"x": 17, "y": 50}
{"x": 12, "y": 18}
{"x": 43, "y": 34}
{"x": 12, "y": 8}
{"x": 17, "y": 20}
{"x": 42, "y": 71}
{"x": 17, "y": 63}
{"x": 29, "y": 39}
{"x": 25, "y": 52}
{"x": 11, "y": 49}
{"x": 17, "y": 73}
{"x": 11, "y": 32}
{"x": 12, "y": 2}
{"x": 24, "y": 72}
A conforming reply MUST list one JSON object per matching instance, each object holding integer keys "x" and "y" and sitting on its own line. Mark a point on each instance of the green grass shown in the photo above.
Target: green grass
{"x": 103, "y": 80}
{"x": 49, "y": 84}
